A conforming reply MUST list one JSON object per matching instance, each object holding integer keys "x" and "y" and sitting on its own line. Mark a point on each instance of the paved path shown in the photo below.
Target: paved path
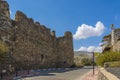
{"x": 90, "y": 76}
{"x": 66, "y": 74}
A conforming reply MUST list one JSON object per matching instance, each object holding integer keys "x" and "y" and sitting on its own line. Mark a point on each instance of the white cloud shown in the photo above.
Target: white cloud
{"x": 90, "y": 49}
{"x": 82, "y": 49}
{"x": 85, "y": 31}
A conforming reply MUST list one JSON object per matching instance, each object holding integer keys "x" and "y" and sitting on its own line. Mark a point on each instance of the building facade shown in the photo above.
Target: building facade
{"x": 112, "y": 41}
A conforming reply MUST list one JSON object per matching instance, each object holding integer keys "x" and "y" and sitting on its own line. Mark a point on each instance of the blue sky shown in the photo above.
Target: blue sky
{"x": 77, "y": 16}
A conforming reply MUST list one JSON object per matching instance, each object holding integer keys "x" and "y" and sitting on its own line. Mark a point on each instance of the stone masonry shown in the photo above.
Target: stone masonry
{"x": 33, "y": 45}
{"x": 112, "y": 41}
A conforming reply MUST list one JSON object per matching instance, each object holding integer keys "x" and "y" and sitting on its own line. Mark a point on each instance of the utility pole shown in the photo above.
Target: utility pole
{"x": 93, "y": 64}
{"x": 1, "y": 75}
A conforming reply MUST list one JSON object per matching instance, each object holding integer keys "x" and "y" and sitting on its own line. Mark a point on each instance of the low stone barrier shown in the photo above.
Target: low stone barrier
{"x": 115, "y": 71}
{"x": 105, "y": 75}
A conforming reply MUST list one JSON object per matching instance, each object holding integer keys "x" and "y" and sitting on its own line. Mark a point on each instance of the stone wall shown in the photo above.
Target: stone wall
{"x": 32, "y": 44}
{"x": 116, "y": 47}
{"x": 101, "y": 76}
{"x": 64, "y": 50}
{"x": 105, "y": 75}
{"x": 112, "y": 41}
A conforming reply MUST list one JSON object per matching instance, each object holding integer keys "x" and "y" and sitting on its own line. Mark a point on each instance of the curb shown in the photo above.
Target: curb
{"x": 109, "y": 75}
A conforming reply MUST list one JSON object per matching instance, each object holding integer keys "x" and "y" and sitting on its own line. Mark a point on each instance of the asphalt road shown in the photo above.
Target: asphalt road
{"x": 62, "y": 74}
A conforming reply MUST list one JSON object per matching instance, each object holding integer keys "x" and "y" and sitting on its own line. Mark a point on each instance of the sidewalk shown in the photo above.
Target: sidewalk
{"x": 90, "y": 76}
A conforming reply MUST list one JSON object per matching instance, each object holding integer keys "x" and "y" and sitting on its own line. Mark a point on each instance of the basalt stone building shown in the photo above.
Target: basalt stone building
{"x": 32, "y": 44}
{"x": 112, "y": 41}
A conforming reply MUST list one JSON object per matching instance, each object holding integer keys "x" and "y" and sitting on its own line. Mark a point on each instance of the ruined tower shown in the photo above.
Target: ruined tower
{"x": 4, "y": 9}
{"x": 65, "y": 50}
{"x": 5, "y": 21}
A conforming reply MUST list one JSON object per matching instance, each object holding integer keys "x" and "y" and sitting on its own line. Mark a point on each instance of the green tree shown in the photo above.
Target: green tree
{"x": 87, "y": 61}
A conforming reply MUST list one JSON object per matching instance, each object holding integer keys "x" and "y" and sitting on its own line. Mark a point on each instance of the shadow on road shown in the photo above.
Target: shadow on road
{"x": 43, "y": 72}
{"x": 50, "y": 72}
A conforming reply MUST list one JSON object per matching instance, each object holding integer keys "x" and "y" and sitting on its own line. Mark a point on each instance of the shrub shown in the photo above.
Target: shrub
{"x": 114, "y": 64}
{"x": 79, "y": 64}
{"x": 107, "y": 57}
{"x": 87, "y": 61}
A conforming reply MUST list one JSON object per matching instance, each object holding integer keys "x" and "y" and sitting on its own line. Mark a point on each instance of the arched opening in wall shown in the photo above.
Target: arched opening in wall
{"x": 64, "y": 62}
{"x": 14, "y": 36}
{"x": 42, "y": 57}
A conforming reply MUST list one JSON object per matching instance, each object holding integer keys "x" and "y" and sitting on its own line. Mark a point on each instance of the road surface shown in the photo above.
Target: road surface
{"x": 59, "y": 74}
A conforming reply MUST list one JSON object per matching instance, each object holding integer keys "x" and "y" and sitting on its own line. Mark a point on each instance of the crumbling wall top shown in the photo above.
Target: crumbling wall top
{"x": 37, "y": 23}
{"x": 53, "y": 33}
{"x": 20, "y": 16}
{"x": 4, "y": 8}
{"x": 68, "y": 34}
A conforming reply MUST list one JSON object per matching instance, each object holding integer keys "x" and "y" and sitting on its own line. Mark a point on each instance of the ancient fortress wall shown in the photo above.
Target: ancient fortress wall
{"x": 34, "y": 44}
